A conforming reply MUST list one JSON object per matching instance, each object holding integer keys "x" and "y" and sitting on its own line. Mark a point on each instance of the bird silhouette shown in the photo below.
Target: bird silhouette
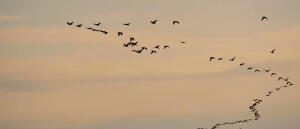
{"x": 120, "y": 33}
{"x": 89, "y": 28}
{"x": 144, "y": 48}
{"x": 264, "y": 18}
{"x": 284, "y": 86}
{"x": 157, "y": 46}
{"x": 183, "y": 42}
{"x": 166, "y": 46}
{"x": 153, "y": 51}
{"x": 79, "y": 25}
{"x": 134, "y": 44}
{"x": 267, "y": 70}
{"x": 153, "y": 22}
{"x": 126, "y": 24}
{"x": 137, "y": 51}
{"x": 70, "y": 23}
{"x": 211, "y": 58}
{"x": 280, "y": 78}
{"x": 232, "y": 59}
{"x": 104, "y": 32}
{"x": 272, "y": 74}
{"x": 273, "y": 51}
{"x": 126, "y": 44}
{"x": 249, "y": 68}
{"x": 95, "y": 30}
{"x": 291, "y": 84}
{"x": 131, "y": 39}
{"x": 241, "y": 64}
{"x": 287, "y": 79}
{"x": 220, "y": 58}
{"x": 287, "y": 83}
{"x": 277, "y": 88}
{"x": 97, "y": 24}
{"x": 257, "y": 70}
{"x": 175, "y": 22}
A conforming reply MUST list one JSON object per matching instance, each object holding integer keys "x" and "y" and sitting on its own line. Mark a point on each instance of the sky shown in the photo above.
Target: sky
{"x": 55, "y": 76}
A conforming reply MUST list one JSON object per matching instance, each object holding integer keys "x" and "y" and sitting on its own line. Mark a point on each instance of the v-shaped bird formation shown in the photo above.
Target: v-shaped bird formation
{"x": 132, "y": 43}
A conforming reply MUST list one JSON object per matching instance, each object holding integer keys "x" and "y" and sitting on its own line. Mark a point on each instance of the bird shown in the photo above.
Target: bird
{"x": 153, "y": 22}
{"x": 89, "y": 28}
{"x": 70, "y": 23}
{"x": 257, "y": 70}
{"x": 220, "y": 58}
{"x": 291, "y": 84}
{"x": 134, "y": 44}
{"x": 273, "y": 74}
{"x": 280, "y": 78}
{"x": 270, "y": 92}
{"x": 131, "y": 39}
{"x": 267, "y": 70}
{"x": 97, "y": 24}
{"x": 126, "y": 24}
{"x": 157, "y": 46}
{"x": 174, "y": 22}
{"x": 211, "y": 58}
{"x": 249, "y": 68}
{"x": 153, "y": 51}
{"x": 286, "y": 79}
{"x": 232, "y": 59}
{"x": 95, "y": 30}
{"x": 79, "y": 25}
{"x": 120, "y": 33}
{"x": 126, "y": 45}
{"x": 137, "y": 51}
{"x": 277, "y": 88}
{"x": 183, "y": 42}
{"x": 241, "y": 64}
{"x": 144, "y": 48}
{"x": 264, "y": 18}
{"x": 273, "y": 51}
{"x": 287, "y": 83}
{"x": 166, "y": 46}
{"x": 104, "y": 32}
{"x": 284, "y": 86}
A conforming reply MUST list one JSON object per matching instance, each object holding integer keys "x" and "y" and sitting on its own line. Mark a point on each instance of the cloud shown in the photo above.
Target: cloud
{"x": 9, "y": 18}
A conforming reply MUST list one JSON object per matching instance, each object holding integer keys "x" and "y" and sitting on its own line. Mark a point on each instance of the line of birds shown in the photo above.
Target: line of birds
{"x": 253, "y": 108}
{"x": 131, "y": 42}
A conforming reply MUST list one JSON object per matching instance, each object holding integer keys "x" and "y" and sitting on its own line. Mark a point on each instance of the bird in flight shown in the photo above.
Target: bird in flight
{"x": 120, "y": 33}
{"x": 241, "y": 64}
{"x": 153, "y": 51}
{"x": 257, "y": 70}
{"x": 89, "y": 28}
{"x": 131, "y": 39}
{"x": 166, "y": 46}
{"x": 211, "y": 58}
{"x": 126, "y": 24}
{"x": 220, "y": 58}
{"x": 273, "y": 51}
{"x": 183, "y": 42}
{"x": 153, "y": 22}
{"x": 287, "y": 79}
{"x": 137, "y": 51}
{"x": 272, "y": 74}
{"x": 175, "y": 22}
{"x": 277, "y": 88}
{"x": 134, "y": 44}
{"x": 70, "y": 23}
{"x": 144, "y": 48}
{"x": 232, "y": 59}
{"x": 267, "y": 70}
{"x": 264, "y": 18}
{"x": 126, "y": 45}
{"x": 250, "y": 68}
{"x": 79, "y": 25}
{"x": 280, "y": 78}
{"x": 104, "y": 32}
{"x": 157, "y": 46}
{"x": 97, "y": 24}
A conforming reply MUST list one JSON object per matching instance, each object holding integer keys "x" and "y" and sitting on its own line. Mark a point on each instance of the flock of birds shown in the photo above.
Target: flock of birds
{"x": 253, "y": 108}
{"x": 132, "y": 42}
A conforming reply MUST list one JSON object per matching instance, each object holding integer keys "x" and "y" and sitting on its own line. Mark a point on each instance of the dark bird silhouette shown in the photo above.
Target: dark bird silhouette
{"x": 70, "y": 23}
{"x": 273, "y": 51}
{"x": 79, "y": 25}
{"x": 153, "y": 51}
{"x": 153, "y": 22}
{"x": 277, "y": 88}
{"x": 89, "y": 28}
{"x": 287, "y": 83}
{"x": 249, "y": 68}
{"x": 137, "y": 51}
{"x": 291, "y": 84}
{"x": 232, "y": 59}
{"x": 241, "y": 64}
{"x": 134, "y": 44}
{"x": 267, "y": 70}
{"x": 95, "y": 30}
{"x": 257, "y": 70}
{"x": 97, "y": 24}
{"x": 284, "y": 86}
{"x": 280, "y": 78}
{"x": 120, "y": 33}
{"x": 264, "y": 18}
{"x": 126, "y": 45}
{"x": 144, "y": 48}
{"x": 270, "y": 92}
{"x": 287, "y": 79}
{"x": 166, "y": 46}
{"x": 211, "y": 58}
{"x": 220, "y": 58}
{"x": 126, "y": 24}
{"x": 272, "y": 74}
{"x": 104, "y": 32}
{"x": 131, "y": 39}
{"x": 175, "y": 22}
{"x": 157, "y": 46}
{"x": 183, "y": 42}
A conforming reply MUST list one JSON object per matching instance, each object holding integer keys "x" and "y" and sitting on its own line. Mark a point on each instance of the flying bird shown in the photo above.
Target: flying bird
{"x": 264, "y": 18}
{"x": 272, "y": 51}
{"x": 104, "y": 32}
{"x": 79, "y": 25}
{"x": 280, "y": 78}
{"x": 134, "y": 44}
{"x": 249, "y": 68}
{"x": 232, "y": 59}
{"x": 211, "y": 58}
{"x": 277, "y": 88}
{"x": 183, "y": 42}
{"x": 126, "y": 45}
{"x": 175, "y": 22}
{"x": 137, "y": 51}
{"x": 166, "y": 46}
{"x": 153, "y": 22}
{"x": 70, "y": 23}
{"x": 126, "y": 24}
{"x": 220, "y": 58}
{"x": 257, "y": 70}
{"x": 144, "y": 48}
{"x": 273, "y": 74}
{"x": 267, "y": 70}
{"x": 131, "y": 39}
{"x": 153, "y": 52}
{"x": 157, "y": 47}
{"x": 241, "y": 64}
{"x": 120, "y": 33}
{"x": 97, "y": 24}
{"x": 286, "y": 79}
{"x": 89, "y": 28}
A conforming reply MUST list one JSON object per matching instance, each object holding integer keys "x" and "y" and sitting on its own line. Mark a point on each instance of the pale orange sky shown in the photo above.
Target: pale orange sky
{"x": 53, "y": 76}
